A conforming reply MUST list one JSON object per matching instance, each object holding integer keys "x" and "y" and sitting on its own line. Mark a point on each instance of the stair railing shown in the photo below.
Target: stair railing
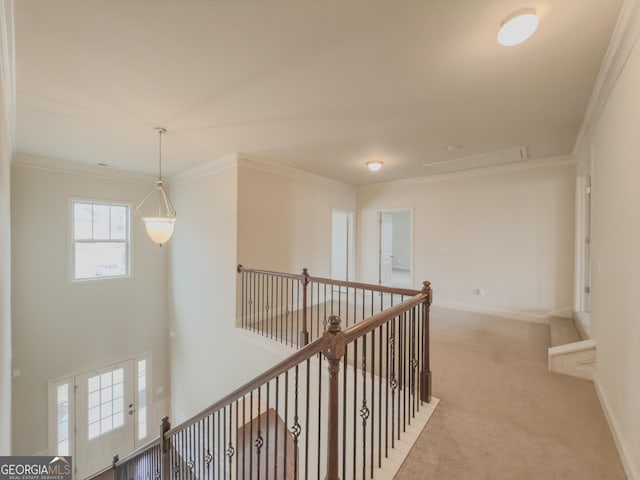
{"x": 293, "y": 308}
{"x": 295, "y": 422}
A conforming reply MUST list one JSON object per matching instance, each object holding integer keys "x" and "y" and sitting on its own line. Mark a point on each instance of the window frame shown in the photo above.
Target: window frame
{"x": 72, "y": 241}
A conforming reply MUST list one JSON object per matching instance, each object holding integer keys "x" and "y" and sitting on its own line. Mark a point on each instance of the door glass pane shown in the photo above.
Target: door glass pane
{"x": 142, "y": 399}
{"x": 63, "y": 419}
{"x": 108, "y": 414}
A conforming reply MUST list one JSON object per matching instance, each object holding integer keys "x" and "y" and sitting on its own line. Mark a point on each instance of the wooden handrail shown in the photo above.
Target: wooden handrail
{"x": 298, "y": 357}
{"x": 331, "y": 281}
{"x": 147, "y": 446}
{"x": 361, "y": 329}
{"x": 270, "y": 273}
{"x": 332, "y": 344}
{"x": 366, "y": 286}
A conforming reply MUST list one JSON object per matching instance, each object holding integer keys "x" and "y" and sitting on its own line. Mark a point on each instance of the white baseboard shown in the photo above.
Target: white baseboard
{"x": 542, "y": 318}
{"x": 629, "y": 469}
{"x": 563, "y": 312}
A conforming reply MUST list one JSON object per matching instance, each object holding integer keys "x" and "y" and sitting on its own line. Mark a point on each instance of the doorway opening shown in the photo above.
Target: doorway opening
{"x": 342, "y": 258}
{"x": 395, "y": 255}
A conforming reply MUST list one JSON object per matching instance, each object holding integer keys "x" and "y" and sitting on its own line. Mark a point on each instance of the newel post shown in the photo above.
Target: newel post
{"x": 165, "y": 426}
{"x": 303, "y": 336}
{"x": 333, "y": 351}
{"x": 425, "y": 373}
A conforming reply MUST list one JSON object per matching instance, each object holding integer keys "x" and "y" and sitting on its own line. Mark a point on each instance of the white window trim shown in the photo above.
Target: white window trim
{"x": 72, "y": 242}
{"x": 53, "y": 414}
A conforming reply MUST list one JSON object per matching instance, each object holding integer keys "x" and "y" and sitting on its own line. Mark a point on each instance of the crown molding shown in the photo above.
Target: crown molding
{"x": 34, "y": 162}
{"x": 265, "y": 166}
{"x": 623, "y": 39}
{"x": 549, "y": 162}
{"x": 209, "y": 168}
{"x": 8, "y": 67}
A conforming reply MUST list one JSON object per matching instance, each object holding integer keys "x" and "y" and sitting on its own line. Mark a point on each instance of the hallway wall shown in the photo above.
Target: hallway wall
{"x": 61, "y": 328}
{"x": 508, "y": 231}
{"x": 615, "y": 259}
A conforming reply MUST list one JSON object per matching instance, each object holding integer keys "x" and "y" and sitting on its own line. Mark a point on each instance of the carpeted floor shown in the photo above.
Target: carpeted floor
{"x": 502, "y": 415}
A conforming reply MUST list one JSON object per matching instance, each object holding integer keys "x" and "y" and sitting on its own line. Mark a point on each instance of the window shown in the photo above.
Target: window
{"x": 106, "y": 402}
{"x": 100, "y": 233}
{"x": 142, "y": 399}
{"x": 62, "y": 408}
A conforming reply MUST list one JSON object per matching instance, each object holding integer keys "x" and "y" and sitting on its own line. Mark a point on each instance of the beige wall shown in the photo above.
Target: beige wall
{"x": 615, "y": 254}
{"x": 284, "y": 219}
{"x": 7, "y": 122}
{"x": 239, "y": 213}
{"x": 62, "y": 328}
{"x": 5, "y": 283}
{"x": 509, "y": 232}
{"x": 202, "y": 285}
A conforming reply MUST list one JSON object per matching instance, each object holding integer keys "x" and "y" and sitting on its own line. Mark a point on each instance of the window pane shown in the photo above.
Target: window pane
{"x": 94, "y": 430}
{"x": 118, "y": 375}
{"x": 106, "y": 410}
{"x": 94, "y": 383}
{"x": 118, "y": 223}
{"x": 94, "y": 414}
{"x": 97, "y": 259}
{"x": 82, "y": 221}
{"x": 63, "y": 448}
{"x": 101, "y": 222}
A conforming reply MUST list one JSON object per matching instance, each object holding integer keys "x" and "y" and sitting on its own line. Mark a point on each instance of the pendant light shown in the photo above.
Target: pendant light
{"x": 159, "y": 226}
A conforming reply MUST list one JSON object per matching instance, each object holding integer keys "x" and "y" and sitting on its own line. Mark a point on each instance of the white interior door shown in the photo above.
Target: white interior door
{"x": 386, "y": 248}
{"x": 105, "y": 413}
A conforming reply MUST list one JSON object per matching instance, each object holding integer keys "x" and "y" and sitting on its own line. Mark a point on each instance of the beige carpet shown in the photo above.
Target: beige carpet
{"x": 502, "y": 415}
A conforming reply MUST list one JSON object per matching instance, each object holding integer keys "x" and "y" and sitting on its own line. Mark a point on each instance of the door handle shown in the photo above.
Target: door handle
{"x": 131, "y": 409}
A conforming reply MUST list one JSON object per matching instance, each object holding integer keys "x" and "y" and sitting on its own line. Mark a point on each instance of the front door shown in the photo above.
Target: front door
{"x": 105, "y": 417}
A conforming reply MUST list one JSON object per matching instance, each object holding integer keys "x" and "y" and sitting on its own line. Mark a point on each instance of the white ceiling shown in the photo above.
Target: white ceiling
{"x": 319, "y": 86}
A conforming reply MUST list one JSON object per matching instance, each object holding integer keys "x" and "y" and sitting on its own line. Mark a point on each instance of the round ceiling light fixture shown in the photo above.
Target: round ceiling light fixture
{"x": 374, "y": 166}
{"x": 518, "y": 27}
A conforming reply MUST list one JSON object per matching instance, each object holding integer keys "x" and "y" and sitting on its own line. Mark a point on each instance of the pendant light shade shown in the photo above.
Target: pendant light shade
{"x": 160, "y": 221}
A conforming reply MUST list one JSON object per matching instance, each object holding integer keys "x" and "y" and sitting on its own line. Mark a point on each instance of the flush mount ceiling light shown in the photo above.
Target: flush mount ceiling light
{"x": 374, "y": 166}
{"x": 518, "y": 27}
{"x": 158, "y": 223}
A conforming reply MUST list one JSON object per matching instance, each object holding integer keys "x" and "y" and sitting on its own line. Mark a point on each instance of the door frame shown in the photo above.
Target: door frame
{"x": 52, "y": 426}
{"x": 351, "y": 258}
{"x": 379, "y": 213}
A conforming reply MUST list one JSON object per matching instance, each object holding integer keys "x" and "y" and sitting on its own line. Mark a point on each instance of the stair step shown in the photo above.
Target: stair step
{"x": 563, "y": 331}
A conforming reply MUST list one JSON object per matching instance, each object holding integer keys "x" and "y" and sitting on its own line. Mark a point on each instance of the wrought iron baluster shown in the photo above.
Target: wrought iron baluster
{"x": 295, "y": 428}
{"x": 286, "y": 420}
{"x": 259, "y": 440}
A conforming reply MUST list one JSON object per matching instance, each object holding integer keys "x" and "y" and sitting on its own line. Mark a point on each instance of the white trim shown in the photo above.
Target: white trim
{"x": 8, "y": 67}
{"x": 542, "y": 318}
{"x": 72, "y": 241}
{"x": 562, "y": 312}
{"x": 560, "y": 161}
{"x": 209, "y": 168}
{"x": 411, "y": 243}
{"x": 629, "y": 468}
{"x": 249, "y": 161}
{"x": 76, "y": 168}
{"x": 624, "y": 37}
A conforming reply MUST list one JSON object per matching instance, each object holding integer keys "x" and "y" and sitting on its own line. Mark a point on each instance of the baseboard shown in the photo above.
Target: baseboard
{"x": 629, "y": 468}
{"x": 563, "y": 312}
{"x": 541, "y": 318}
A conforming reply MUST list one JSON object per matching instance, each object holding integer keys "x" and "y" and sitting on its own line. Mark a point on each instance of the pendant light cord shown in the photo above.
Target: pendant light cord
{"x": 160, "y": 132}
